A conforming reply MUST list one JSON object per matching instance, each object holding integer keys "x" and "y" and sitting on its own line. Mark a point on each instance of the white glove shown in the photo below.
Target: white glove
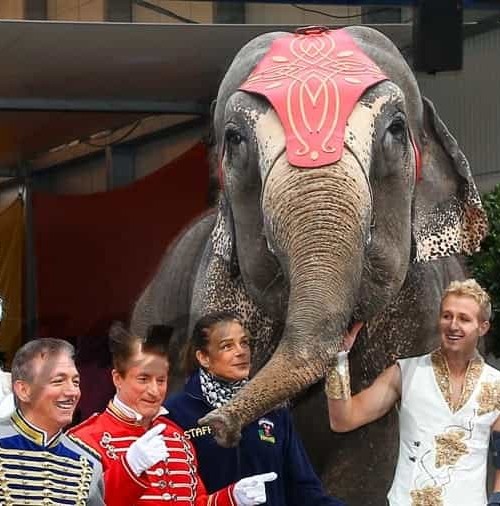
{"x": 252, "y": 490}
{"x": 148, "y": 450}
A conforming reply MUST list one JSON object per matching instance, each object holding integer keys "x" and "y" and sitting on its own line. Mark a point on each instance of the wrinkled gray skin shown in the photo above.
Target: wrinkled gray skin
{"x": 302, "y": 253}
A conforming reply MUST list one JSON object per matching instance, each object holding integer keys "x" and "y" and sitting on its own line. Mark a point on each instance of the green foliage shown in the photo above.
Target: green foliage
{"x": 485, "y": 265}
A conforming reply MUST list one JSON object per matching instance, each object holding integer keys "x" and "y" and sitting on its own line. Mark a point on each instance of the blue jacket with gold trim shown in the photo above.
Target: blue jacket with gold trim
{"x": 268, "y": 444}
{"x": 36, "y": 470}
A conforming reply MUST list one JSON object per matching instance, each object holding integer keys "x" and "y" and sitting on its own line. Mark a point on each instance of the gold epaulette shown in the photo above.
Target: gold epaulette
{"x": 85, "y": 446}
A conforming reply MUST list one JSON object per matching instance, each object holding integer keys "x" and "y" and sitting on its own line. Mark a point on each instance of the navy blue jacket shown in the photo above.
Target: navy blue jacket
{"x": 268, "y": 444}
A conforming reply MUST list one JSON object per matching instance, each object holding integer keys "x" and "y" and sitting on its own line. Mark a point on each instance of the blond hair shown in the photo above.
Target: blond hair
{"x": 471, "y": 288}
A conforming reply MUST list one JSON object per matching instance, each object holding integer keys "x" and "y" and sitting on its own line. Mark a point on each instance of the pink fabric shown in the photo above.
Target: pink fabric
{"x": 313, "y": 79}
{"x": 418, "y": 160}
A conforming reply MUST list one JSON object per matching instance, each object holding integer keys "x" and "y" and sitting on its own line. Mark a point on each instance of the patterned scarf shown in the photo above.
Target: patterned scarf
{"x": 218, "y": 392}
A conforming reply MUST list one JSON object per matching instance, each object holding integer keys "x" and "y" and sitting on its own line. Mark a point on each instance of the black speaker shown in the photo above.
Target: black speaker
{"x": 437, "y": 35}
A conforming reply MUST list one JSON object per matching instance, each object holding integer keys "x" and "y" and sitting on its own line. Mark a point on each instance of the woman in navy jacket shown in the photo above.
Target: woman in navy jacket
{"x": 220, "y": 356}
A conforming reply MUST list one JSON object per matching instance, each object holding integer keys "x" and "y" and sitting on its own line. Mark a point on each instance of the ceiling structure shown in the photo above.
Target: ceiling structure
{"x": 63, "y": 81}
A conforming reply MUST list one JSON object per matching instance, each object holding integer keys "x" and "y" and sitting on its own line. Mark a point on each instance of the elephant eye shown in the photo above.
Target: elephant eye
{"x": 395, "y": 142}
{"x": 233, "y": 137}
{"x": 235, "y": 147}
{"x": 397, "y": 128}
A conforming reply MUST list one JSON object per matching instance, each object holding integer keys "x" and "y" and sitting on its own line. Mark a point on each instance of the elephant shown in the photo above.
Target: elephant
{"x": 343, "y": 198}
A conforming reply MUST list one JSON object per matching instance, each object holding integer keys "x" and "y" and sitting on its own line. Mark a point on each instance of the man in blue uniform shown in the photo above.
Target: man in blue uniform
{"x": 38, "y": 463}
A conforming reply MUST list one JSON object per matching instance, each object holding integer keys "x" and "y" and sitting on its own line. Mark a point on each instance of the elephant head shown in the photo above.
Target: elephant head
{"x": 336, "y": 175}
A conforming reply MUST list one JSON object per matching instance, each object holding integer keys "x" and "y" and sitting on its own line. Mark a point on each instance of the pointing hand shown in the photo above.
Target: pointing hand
{"x": 148, "y": 450}
{"x": 252, "y": 490}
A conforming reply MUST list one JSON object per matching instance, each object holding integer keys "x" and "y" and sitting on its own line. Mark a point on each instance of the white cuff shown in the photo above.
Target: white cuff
{"x": 337, "y": 381}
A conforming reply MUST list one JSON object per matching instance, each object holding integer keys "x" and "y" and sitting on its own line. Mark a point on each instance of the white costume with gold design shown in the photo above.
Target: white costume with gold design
{"x": 443, "y": 449}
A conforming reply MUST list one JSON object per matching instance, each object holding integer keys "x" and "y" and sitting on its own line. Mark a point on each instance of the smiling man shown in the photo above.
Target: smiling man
{"x": 146, "y": 458}
{"x": 449, "y": 404}
{"x": 39, "y": 464}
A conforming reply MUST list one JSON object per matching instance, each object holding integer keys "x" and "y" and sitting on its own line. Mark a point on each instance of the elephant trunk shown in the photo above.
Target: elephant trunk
{"x": 320, "y": 241}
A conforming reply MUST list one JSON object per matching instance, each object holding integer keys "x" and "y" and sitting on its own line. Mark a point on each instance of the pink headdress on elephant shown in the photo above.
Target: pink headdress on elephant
{"x": 313, "y": 79}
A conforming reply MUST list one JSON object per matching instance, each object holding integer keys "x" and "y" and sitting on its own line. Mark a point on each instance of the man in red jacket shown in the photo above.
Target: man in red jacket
{"x": 145, "y": 456}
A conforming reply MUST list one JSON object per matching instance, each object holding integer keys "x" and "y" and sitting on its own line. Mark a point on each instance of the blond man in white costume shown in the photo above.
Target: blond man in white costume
{"x": 449, "y": 407}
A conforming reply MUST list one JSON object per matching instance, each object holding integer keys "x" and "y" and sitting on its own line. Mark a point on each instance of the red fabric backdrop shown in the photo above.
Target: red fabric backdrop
{"x": 95, "y": 253}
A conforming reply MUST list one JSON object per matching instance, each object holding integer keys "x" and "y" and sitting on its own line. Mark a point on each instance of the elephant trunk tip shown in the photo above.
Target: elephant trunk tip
{"x": 225, "y": 428}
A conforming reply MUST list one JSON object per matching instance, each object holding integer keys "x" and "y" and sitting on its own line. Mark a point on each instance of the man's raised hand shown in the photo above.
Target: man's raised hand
{"x": 148, "y": 450}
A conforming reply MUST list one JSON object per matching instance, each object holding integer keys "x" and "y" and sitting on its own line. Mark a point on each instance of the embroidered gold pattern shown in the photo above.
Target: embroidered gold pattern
{"x": 337, "y": 386}
{"x": 34, "y": 433}
{"x": 488, "y": 397}
{"x": 427, "y": 496}
{"x": 23, "y": 471}
{"x": 338, "y": 383}
{"x": 311, "y": 75}
{"x": 442, "y": 374}
{"x": 450, "y": 447}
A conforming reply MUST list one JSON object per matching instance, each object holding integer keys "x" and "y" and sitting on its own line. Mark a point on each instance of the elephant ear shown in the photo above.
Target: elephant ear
{"x": 448, "y": 215}
{"x": 214, "y": 183}
{"x": 222, "y": 235}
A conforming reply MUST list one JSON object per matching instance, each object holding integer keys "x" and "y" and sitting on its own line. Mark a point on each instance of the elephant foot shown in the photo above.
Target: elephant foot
{"x": 225, "y": 428}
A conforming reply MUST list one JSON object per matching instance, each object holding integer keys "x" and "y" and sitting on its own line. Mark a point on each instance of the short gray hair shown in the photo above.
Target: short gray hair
{"x": 47, "y": 347}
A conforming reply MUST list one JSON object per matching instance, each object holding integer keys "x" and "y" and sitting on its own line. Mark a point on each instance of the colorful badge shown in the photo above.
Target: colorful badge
{"x": 266, "y": 430}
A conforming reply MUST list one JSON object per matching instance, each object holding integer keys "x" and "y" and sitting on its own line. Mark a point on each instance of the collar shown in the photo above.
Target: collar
{"x": 442, "y": 375}
{"x": 127, "y": 414}
{"x": 476, "y": 358}
{"x": 125, "y": 411}
{"x": 32, "y": 432}
{"x": 193, "y": 387}
{"x": 217, "y": 391}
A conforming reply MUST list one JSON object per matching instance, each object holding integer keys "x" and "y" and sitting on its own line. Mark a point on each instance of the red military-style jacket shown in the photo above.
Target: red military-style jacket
{"x": 172, "y": 482}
